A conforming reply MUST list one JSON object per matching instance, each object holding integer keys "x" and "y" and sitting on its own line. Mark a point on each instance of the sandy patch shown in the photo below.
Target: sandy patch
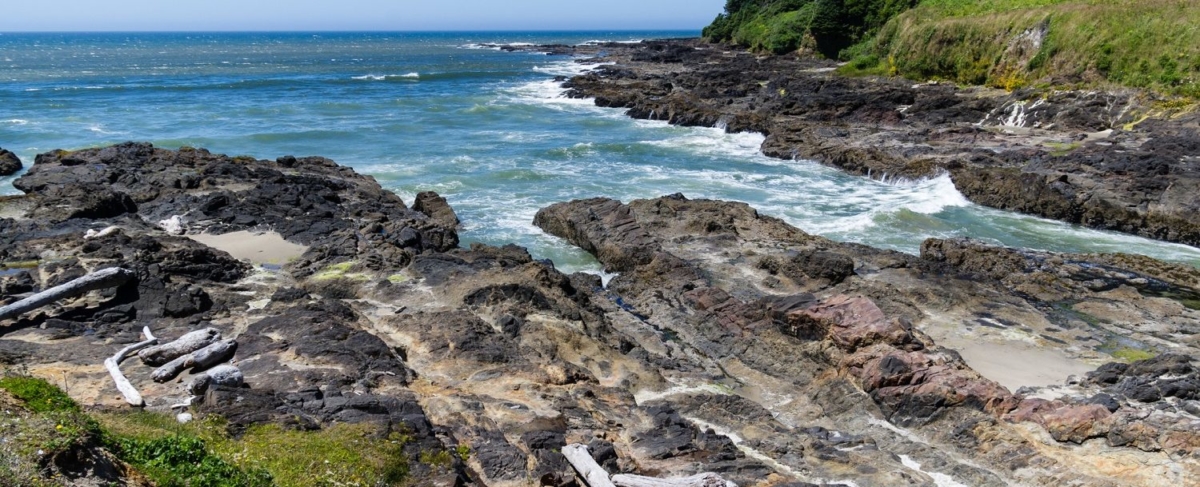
{"x": 257, "y": 247}
{"x": 14, "y": 207}
{"x": 1017, "y": 364}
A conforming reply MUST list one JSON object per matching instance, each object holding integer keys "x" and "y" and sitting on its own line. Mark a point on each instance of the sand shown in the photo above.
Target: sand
{"x": 257, "y": 247}
{"x": 1017, "y": 364}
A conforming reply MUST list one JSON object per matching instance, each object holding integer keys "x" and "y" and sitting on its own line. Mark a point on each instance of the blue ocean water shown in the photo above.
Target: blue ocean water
{"x": 489, "y": 130}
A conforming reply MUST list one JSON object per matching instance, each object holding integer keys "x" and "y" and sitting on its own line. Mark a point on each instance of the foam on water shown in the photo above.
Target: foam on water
{"x": 491, "y": 131}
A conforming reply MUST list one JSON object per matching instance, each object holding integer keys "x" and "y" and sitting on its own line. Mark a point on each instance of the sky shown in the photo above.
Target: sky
{"x": 308, "y": 15}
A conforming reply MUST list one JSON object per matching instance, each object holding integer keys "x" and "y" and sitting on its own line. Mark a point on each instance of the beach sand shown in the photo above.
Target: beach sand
{"x": 1018, "y": 364}
{"x": 257, "y": 247}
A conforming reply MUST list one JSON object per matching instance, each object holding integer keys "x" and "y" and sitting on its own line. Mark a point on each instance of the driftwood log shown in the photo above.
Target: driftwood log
{"x": 188, "y": 343}
{"x": 708, "y": 479}
{"x": 590, "y": 471}
{"x": 595, "y": 476}
{"x": 101, "y": 279}
{"x": 201, "y": 359}
{"x": 113, "y": 364}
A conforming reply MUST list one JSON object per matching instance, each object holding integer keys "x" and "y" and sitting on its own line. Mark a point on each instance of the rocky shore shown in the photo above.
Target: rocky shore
{"x": 729, "y": 342}
{"x": 1115, "y": 160}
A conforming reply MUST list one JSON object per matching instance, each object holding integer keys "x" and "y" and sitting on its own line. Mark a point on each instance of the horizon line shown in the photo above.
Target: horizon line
{"x": 345, "y": 31}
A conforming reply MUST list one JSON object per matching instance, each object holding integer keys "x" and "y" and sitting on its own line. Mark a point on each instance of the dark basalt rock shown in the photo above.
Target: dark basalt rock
{"x": 9, "y": 163}
{"x": 1145, "y": 181}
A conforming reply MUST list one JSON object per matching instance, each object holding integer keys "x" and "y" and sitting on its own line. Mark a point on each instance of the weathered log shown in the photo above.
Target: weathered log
{"x": 113, "y": 364}
{"x": 171, "y": 369}
{"x": 204, "y": 358}
{"x": 188, "y": 343}
{"x": 587, "y": 468}
{"x": 221, "y": 375}
{"x": 212, "y": 355}
{"x": 707, "y": 479}
{"x": 101, "y": 279}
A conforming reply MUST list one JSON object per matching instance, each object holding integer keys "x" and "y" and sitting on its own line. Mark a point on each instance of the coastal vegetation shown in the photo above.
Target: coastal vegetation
{"x": 47, "y": 428}
{"x": 1010, "y": 44}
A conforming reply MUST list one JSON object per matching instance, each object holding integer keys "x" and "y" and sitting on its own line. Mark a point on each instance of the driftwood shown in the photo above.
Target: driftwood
{"x": 595, "y": 476}
{"x": 101, "y": 279}
{"x": 113, "y": 364}
{"x": 708, "y": 479}
{"x": 188, "y": 343}
{"x": 199, "y": 360}
{"x": 591, "y": 472}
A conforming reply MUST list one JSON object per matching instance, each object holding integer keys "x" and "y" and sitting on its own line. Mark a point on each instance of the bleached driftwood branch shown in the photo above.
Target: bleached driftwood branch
{"x": 707, "y": 479}
{"x": 101, "y": 279}
{"x": 113, "y": 364}
{"x": 591, "y": 472}
{"x": 199, "y": 360}
{"x": 595, "y": 475}
{"x": 188, "y": 343}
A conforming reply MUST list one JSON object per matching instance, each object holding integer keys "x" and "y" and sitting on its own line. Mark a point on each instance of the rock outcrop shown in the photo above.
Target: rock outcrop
{"x": 9, "y": 163}
{"x": 730, "y": 342}
{"x": 1114, "y": 161}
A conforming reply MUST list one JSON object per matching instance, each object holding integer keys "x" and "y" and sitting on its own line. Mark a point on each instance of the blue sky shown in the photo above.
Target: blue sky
{"x": 209, "y": 15}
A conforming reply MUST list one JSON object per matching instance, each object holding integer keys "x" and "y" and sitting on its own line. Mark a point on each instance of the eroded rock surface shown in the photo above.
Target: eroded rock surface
{"x": 1110, "y": 160}
{"x": 820, "y": 369}
{"x": 729, "y": 342}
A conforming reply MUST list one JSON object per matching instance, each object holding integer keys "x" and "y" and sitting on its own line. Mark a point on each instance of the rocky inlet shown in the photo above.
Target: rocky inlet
{"x": 1115, "y": 160}
{"x": 729, "y": 342}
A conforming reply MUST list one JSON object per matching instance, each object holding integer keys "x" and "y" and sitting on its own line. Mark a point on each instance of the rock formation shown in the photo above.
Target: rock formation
{"x": 730, "y": 342}
{"x": 1108, "y": 160}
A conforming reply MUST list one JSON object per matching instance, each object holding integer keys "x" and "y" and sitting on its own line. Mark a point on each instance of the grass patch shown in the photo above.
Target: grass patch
{"x": 340, "y": 270}
{"x": 202, "y": 453}
{"x": 19, "y": 264}
{"x": 340, "y": 455}
{"x": 1150, "y": 44}
{"x": 1130, "y": 354}
{"x": 38, "y": 395}
{"x": 1059, "y": 149}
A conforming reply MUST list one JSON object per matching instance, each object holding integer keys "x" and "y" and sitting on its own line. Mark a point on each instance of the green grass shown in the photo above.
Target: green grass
{"x": 38, "y": 395}
{"x": 201, "y": 453}
{"x": 1149, "y": 44}
{"x": 1129, "y": 354}
{"x": 340, "y": 455}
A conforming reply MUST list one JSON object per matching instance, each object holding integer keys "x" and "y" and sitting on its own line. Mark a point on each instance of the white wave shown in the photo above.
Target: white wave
{"x": 712, "y": 142}
{"x": 33, "y": 89}
{"x": 381, "y": 77}
{"x": 567, "y": 68}
{"x": 598, "y": 41}
{"x": 494, "y": 46}
{"x": 17, "y": 121}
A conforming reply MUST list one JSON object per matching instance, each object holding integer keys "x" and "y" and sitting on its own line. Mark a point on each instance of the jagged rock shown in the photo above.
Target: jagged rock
{"x": 1143, "y": 182}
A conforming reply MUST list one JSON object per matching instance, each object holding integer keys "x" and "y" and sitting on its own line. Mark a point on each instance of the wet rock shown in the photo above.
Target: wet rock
{"x": 9, "y": 163}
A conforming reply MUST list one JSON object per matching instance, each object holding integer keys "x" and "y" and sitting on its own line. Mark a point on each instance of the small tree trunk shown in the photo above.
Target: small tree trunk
{"x": 707, "y": 479}
{"x": 101, "y": 279}
{"x": 591, "y": 472}
{"x": 188, "y": 343}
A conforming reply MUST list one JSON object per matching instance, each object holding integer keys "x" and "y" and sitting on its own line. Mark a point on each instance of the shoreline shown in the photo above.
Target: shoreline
{"x": 724, "y": 330}
{"x": 1109, "y": 161}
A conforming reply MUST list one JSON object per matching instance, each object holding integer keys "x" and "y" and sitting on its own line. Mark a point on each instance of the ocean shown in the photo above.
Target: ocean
{"x": 489, "y": 130}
